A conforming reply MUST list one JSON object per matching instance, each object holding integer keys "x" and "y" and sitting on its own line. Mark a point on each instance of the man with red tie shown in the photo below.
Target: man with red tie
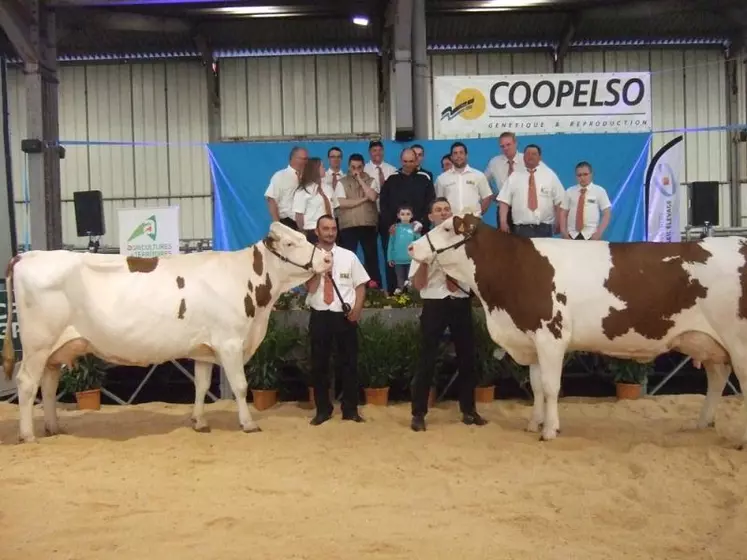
{"x": 334, "y": 319}
{"x": 582, "y": 205}
{"x": 502, "y": 166}
{"x": 533, "y": 193}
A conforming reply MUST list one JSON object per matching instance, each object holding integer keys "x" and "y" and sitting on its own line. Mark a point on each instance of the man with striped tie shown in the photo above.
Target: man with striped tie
{"x": 582, "y": 205}
{"x": 334, "y": 320}
{"x": 533, "y": 193}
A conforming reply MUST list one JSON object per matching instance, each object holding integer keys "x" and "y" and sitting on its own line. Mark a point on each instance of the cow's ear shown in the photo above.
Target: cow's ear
{"x": 458, "y": 225}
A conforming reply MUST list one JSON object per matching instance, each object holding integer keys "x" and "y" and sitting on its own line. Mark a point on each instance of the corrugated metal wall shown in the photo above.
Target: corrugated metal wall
{"x": 688, "y": 91}
{"x": 141, "y": 105}
{"x": 277, "y": 96}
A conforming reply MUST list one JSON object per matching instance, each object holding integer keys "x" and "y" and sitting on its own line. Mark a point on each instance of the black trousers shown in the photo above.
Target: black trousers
{"x": 533, "y": 230}
{"x": 325, "y": 329}
{"x": 366, "y": 236}
{"x": 579, "y": 237}
{"x": 290, "y": 223}
{"x": 389, "y": 274}
{"x": 455, "y": 313}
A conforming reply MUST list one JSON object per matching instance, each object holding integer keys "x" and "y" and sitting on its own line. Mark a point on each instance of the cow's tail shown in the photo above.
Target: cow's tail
{"x": 9, "y": 354}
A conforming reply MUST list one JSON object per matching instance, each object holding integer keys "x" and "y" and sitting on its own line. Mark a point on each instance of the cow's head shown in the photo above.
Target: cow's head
{"x": 445, "y": 244}
{"x": 297, "y": 259}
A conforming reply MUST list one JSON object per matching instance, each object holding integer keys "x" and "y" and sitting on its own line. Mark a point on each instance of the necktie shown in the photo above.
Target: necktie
{"x": 532, "y": 203}
{"x": 510, "y": 167}
{"x": 334, "y": 180}
{"x": 329, "y": 295}
{"x": 381, "y": 177}
{"x": 327, "y": 205}
{"x": 580, "y": 210}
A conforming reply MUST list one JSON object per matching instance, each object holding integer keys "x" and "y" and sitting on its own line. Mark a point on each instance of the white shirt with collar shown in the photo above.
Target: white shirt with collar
{"x": 436, "y": 286}
{"x": 596, "y": 201}
{"x": 348, "y": 273}
{"x": 497, "y": 169}
{"x": 310, "y": 203}
{"x": 328, "y": 180}
{"x": 550, "y": 193}
{"x": 373, "y": 170}
{"x": 282, "y": 188}
{"x": 463, "y": 188}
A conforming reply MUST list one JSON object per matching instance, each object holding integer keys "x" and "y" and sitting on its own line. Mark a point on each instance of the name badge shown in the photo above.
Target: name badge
{"x": 344, "y": 276}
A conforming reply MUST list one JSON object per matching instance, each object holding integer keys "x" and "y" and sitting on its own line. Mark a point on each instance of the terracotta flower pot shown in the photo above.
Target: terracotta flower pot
{"x": 432, "y": 394}
{"x": 88, "y": 400}
{"x": 378, "y": 396}
{"x": 485, "y": 394}
{"x": 264, "y": 399}
{"x": 630, "y": 391}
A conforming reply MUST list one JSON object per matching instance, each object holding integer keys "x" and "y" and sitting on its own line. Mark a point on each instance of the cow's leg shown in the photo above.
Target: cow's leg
{"x": 49, "y": 383}
{"x": 27, "y": 381}
{"x": 538, "y": 410}
{"x": 718, "y": 375}
{"x": 551, "y": 355}
{"x": 203, "y": 371}
{"x": 233, "y": 364}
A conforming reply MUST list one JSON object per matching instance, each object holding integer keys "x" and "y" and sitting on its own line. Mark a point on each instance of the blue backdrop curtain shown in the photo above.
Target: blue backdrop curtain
{"x": 242, "y": 171}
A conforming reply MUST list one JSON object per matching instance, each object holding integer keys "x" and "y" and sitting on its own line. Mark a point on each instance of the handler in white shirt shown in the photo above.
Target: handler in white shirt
{"x": 377, "y": 167}
{"x": 463, "y": 186}
{"x": 328, "y": 325}
{"x": 582, "y": 205}
{"x": 446, "y": 303}
{"x": 282, "y": 187}
{"x": 533, "y": 195}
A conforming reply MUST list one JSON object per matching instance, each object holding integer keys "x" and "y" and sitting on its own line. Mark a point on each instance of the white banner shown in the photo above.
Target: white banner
{"x": 479, "y": 106}
{"x": 664, "y": 192}
{"x": 149, "y": 232}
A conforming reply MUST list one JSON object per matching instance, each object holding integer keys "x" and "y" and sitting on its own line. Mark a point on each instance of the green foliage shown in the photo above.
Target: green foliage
{"x": 276, "y": 350}
{"x": 378, "y": 362}
{"x": 88, "y": 372}
{"x": 629, "y": 371}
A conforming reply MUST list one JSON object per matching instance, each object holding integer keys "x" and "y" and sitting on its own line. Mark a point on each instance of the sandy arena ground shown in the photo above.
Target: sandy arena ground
{"x": 627, "y": 480}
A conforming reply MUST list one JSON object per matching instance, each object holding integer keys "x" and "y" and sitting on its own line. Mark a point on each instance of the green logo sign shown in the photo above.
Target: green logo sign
{"x": 149, "y": 227}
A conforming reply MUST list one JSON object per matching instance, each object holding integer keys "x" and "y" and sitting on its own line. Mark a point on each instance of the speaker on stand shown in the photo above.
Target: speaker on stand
{"x": 89, "y": 217}
{"x": 704, "y": 203}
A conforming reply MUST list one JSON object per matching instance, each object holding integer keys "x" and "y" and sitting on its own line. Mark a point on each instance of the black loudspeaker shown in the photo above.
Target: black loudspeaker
{"x": 404, "y": 135}
{"x": 89, "y": 213}
{"x": 704, "y": 203}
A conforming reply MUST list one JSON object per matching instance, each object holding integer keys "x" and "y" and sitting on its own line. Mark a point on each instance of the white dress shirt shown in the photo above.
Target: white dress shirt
{"x": 463, "y": 188}
{"x": 282, "y": 188}
{"x": 497, "y": 169}
{"x": 596, "y": 202}
{"x": 436, "y": 287}
{"x": 348, "y": 273}
{"x": 373, "y": 171}
{"x": 331, "y": 185}
{"x": 550, "y": 193}
{"x": 310, "y": 203}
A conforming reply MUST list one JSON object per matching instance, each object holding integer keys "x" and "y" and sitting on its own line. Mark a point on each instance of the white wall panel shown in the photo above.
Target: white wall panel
{"x": 299, "y": 96}
{"x": 688, "y": 92}
{"x": 153, "y": 117}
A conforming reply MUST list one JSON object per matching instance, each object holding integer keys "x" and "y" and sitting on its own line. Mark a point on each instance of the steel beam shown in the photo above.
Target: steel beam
{"x": 421, "y": 73}
{"x": 569, "y": 31}
{"x": 42, "y": 125}
{"x": 402, "y": 91}
{"x": 15, "y": 20}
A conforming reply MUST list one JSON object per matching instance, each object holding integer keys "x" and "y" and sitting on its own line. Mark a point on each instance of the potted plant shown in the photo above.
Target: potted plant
{"x": 377, "y": 359}
{"x": 263, "y": 368}
{"x": 629, "y": 377}
{"x": 486, "y": 363}
{"x": 84, "y": 380}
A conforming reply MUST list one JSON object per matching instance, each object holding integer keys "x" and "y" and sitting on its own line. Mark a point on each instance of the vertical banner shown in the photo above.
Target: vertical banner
{"x": 663, "y": 192}
{"x": 149, "y": 232}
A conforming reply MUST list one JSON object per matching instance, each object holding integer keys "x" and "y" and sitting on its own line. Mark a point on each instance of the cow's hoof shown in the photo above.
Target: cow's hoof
{"x": 26, "y": 439}
{"x": 706, "y": 425}
{"x": 741, "y": 446}
{"x": 200, "y": 426}
{"x": 251, "y": 429}
{"x": 54, "y": 431}
{"x": 534, "y": 426}
{"x": 548, "y": 435}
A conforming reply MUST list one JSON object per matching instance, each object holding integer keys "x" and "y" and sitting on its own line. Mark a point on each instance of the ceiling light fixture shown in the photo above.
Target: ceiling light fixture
{"x": 360, "y": 20}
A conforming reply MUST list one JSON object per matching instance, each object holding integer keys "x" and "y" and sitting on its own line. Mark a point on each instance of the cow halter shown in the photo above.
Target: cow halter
{"x": 306, "y": 266}
{"x": 436, "y": 252}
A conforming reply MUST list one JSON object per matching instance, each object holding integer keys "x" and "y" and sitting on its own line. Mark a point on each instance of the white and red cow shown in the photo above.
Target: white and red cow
{"x": 212, "y": 307}
{"x": 545, "y": 297}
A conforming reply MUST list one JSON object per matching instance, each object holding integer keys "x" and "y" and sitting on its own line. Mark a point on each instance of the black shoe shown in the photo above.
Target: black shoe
{"x": 418, "y": 424}
{"x": 473, "y": 419}
{"x": 320, "y": 419}
{"x": 355, "y": 417}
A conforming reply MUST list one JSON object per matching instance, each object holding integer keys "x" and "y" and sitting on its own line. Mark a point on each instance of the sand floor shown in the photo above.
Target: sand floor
{"x": 627, "y": 480}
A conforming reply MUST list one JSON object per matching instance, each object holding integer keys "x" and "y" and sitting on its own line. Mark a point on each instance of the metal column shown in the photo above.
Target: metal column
{"x": 421, "y": 75}
{"x": 402, "y": 90}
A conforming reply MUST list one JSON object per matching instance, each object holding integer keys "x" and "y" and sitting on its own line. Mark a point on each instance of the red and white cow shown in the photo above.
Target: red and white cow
{"x": 544, "y": 297}
{"x": 212, "y": 307}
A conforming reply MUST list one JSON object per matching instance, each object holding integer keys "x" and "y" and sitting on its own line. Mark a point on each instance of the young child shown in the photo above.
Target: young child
{"x": 396, "y": 254}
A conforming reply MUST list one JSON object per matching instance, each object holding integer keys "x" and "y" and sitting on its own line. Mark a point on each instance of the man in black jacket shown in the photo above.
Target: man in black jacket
{"x": 409, "y": 188}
